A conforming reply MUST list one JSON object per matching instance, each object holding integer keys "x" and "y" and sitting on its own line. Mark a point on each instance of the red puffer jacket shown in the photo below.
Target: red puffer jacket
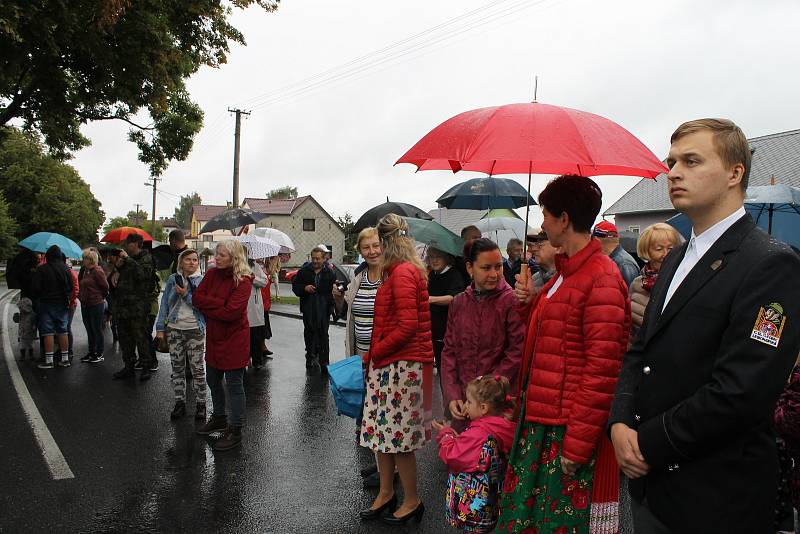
{"x": 575, "y": 350}
{"x": 224, "y": 305}
{"x": 401, "y": 328}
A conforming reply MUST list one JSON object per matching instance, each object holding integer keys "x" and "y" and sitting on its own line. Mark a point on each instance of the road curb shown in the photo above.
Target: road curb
{"x": 300, "y": 317}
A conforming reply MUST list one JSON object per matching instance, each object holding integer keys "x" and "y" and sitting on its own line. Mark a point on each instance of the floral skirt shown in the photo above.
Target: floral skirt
{"x": 397, "y": 416}
{"x": 537, "y": 495}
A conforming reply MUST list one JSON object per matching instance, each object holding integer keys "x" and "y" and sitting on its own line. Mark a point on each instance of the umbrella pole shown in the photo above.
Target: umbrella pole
{"x": 523, "y": 270}
{"x": 769, "y": 223}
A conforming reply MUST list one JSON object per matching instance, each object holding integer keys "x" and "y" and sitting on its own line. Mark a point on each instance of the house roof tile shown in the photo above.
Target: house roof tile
{"x": 203, "y": 212}
{"x": 278, "y": 206}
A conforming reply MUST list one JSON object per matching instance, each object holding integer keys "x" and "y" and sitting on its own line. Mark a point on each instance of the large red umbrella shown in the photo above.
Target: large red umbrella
{"x": 533, "y": 138}
{"x": 118, "y": 235}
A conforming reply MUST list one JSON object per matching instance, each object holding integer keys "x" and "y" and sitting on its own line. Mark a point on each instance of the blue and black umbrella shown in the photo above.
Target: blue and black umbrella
{"x": 775, "y": 208}
{"x": 485, "y": 194}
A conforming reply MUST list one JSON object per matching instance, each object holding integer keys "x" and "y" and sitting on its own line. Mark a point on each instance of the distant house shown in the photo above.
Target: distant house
{"x": 169, "y": 224}
{"x": 776, "y": 155}
{"x": 305, "y": 221}
{"x": 455, "y": 220}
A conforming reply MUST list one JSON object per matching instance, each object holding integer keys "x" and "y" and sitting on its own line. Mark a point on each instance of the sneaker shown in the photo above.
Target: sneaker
{"x": 45, "y": 365}
{"x": 87, "y": 358}
{"x": 200, "y": 413}
{"x": 231, "y": 439}
{"x": 179, "y": 410}
{"x": 96, "y": 358}
{"x": 138, "y": 365}
{"x": 64, "y": 363}
{"x": 154, "y": 365}
{"x": 215, "y": 424}
{"x": 125, "y": 372}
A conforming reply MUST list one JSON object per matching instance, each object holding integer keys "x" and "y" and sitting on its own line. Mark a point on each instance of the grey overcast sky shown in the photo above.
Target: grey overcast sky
{"x": 647, "y": 65}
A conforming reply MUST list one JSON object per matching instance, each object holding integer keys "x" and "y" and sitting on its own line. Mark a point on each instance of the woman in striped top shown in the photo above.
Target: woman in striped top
{"x": 357, "y": 304}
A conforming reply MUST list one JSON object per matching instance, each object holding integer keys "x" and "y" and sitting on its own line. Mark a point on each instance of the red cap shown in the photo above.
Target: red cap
{"x": 605, "y": 229}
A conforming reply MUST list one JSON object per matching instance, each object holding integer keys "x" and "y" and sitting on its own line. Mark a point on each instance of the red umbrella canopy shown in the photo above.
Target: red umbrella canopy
{"x": 533, "y": 138}
{"x": 118, "y": 235}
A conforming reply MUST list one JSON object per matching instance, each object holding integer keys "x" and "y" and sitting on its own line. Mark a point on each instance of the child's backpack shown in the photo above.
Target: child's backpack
{"x": 472, "y": 498}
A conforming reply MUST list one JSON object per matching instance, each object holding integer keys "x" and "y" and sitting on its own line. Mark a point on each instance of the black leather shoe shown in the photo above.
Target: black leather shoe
{"x": 388, "y": 506}
{"x": 390, "y": 519}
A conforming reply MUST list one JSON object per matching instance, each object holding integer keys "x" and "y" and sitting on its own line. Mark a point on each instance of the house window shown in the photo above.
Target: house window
{"x": 634, "y": 228}
{"x": 330, "y": 247}
{"x": 207, "y": 238}
{"x": 309, "y": 225}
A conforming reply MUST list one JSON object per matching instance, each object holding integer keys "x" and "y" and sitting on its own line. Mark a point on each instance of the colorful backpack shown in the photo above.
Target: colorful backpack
{"x": 472, "y": 498}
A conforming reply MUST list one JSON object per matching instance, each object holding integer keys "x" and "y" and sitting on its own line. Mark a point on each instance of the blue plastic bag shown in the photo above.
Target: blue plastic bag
{"x": 347, "y": 385}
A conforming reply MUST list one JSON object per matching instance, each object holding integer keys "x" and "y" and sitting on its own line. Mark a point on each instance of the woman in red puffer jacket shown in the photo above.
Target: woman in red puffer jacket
{"x": 578, "y": 327}
{"x": 222, "y": 297}
{"x": 397, "y": 404}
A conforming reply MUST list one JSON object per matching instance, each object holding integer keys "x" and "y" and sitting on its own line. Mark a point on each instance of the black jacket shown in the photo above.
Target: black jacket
{"x": 52, "y": 283}
{"x": 700, "y": 390}
{"x": 323, "y": 296}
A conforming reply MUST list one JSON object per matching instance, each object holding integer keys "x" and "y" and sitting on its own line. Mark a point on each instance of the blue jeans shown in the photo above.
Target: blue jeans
{"x": 93, "y": 321}
{"x": 234, "y": 378}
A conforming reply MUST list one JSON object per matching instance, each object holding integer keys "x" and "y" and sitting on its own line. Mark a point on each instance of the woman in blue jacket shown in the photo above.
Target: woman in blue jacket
{"x": 184, "y": 327}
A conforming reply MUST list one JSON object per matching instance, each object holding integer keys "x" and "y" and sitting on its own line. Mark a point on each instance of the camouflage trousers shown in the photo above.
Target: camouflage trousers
{"x": 187, "y": 346}
{"x": 135, "y": 333}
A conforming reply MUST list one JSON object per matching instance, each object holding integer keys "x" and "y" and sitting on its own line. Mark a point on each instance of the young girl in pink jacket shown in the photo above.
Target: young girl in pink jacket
{"x": 477, "y": 456}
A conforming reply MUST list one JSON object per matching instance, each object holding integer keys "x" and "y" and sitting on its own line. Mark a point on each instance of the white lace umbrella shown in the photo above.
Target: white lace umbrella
{"x": 285, "y": 242}
{"x": 258, "y": 247}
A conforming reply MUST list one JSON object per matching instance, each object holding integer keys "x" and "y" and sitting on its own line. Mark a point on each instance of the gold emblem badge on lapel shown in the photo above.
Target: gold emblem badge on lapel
{"x": 769, "y": 325}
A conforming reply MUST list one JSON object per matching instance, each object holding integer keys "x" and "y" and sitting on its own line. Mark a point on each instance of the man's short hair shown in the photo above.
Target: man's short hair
{"x": 134, "y": 238}
{"x": 176, "y": 236}
{"x": 317, "y": 249}
{"x": 577, "y": 196}
{"x": 729, "y": 140}
{"x": 513, "y": 242}
{"x": 467, "y": 229}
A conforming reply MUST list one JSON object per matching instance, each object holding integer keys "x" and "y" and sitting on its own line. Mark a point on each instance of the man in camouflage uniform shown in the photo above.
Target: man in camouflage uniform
{"x": 131, "y": 306}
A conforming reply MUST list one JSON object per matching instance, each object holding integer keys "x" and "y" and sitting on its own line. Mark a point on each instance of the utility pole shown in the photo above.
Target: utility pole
{"x": 138, "y": 217}
{"x": 153, "y": 183}
{"x": 236, "y": 145}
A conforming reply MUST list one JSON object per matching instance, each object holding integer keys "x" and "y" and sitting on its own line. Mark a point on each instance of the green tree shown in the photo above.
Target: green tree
{"x": 116, "y": 222}
{"x": 44, "y": 194}
{"x": 346, "y": 223}
{"x": 284, "y": 192}
{"x": 183, "y": 212}
{"x": 139, "y": 220}
{"x": 8, "y": 229}
{"x": 68, "y": 63}
{"x": 157, "y": 232}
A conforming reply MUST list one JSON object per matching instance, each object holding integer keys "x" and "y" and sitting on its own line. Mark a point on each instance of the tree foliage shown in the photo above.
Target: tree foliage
{"x": 68, "y": 63}
{"x": 8, "y": 230}
{"x": 287, "y": 191}
{"x": 43, "y": 193}
{"x": 346, "y": 223}
{"x": 183, "y": 212}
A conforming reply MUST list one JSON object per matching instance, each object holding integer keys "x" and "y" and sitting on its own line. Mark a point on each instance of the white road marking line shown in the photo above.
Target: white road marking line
{"x": 59, "y": 469}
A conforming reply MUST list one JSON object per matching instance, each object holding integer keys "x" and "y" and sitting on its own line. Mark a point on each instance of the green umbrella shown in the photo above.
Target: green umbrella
{"x": 435, "y": 235}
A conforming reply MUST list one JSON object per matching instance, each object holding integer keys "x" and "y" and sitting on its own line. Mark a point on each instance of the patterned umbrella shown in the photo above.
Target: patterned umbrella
{"x": 258, "y": 247}
{"x": 286, "y": 243}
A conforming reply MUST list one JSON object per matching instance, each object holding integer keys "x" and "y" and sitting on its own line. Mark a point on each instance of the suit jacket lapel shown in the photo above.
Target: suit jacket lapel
{"x": 712, "y": 262}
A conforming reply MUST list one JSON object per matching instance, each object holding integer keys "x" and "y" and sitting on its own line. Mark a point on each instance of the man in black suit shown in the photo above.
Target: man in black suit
{"x": 691, "y": 419}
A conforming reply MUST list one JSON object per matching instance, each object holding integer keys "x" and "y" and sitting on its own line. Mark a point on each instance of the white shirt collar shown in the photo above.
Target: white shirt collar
{"x": 704, "y": 241}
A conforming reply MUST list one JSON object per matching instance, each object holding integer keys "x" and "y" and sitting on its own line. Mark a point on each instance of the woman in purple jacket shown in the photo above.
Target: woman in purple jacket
{"x": 484, "y": 329}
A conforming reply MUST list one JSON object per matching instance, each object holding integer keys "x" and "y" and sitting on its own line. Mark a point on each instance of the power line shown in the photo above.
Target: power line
{"x": 278, "y": 97}
{"x": 254, "y": 100}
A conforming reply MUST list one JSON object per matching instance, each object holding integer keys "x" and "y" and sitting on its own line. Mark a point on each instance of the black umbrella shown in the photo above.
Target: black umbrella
{"x": 485, "y": 194}
{"x": 232, "y": 218}
{"x": 162, "y": 257}
{"x": 373, "y": 215}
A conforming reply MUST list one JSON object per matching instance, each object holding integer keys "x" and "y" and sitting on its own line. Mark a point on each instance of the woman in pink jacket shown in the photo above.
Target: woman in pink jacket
{"x": 485, "y": 331}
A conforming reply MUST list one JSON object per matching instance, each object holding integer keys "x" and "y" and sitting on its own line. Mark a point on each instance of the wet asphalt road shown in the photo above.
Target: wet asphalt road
{"x": 136, "y": 471}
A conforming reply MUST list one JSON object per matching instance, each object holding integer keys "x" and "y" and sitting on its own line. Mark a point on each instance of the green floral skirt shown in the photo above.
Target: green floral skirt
{"x": 538, "y": 498}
